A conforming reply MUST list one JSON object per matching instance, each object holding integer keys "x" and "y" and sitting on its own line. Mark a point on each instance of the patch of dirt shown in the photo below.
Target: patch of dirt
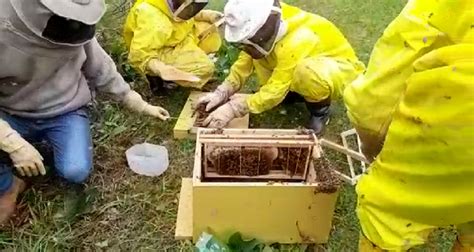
{"x": 328, "y": 181}
{"x": 291, "y": 160}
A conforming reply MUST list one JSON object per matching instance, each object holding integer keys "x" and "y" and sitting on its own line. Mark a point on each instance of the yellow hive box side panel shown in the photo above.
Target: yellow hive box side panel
{"x": 284, "y": 214}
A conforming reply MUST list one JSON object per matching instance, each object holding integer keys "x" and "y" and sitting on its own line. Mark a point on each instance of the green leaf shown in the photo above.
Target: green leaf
{"x": 237, "y": 244}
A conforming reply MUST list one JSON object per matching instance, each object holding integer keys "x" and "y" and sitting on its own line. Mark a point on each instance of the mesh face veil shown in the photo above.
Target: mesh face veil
{"x": 262, "y": 43}
{"x": 186, "y": 9}
{"x": 56, "y": 28}
{"x": 66, "y": 31}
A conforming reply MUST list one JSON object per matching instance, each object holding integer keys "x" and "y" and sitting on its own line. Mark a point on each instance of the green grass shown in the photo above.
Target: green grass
{"x": 122, "y": 211}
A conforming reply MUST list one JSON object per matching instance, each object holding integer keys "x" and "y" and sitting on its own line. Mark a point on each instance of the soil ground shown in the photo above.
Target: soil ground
{"x": 119, "y": 210}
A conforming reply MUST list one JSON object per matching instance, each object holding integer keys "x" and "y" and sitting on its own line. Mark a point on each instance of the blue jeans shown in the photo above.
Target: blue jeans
{"x": 69, "y": 137}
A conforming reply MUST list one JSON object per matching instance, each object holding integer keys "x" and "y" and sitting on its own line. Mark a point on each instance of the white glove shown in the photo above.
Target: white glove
{"x": 135, "y": 102}
{"x": 26, "y": 159}
{"x": 218, "y": 97}
{"x": 170, "y": 73}
{"x": 237, "y": 107}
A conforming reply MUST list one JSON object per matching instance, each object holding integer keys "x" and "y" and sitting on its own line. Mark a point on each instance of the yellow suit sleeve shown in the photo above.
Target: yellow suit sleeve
{"x": 240, "y": 71}
{"x": 152, "y": 30}
{"x": 372, "y": 99}
{"x": 288, "y": 52}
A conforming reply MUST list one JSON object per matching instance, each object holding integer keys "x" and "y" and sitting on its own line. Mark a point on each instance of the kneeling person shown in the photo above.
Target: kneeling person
{"x": 50, "y": 62}
{"x": 290, "y": 51}
{"x": 164, "y": 42}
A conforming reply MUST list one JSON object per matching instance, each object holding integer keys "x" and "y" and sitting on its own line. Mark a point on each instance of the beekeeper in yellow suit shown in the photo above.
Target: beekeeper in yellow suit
{"x": 291, "y": 51}
{"x": 163, "y": 37}
{"x": 413, "y": 110}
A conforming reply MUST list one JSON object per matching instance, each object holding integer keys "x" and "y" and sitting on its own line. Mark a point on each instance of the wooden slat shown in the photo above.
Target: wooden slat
{"x": 257, "y": 142}
{"x": 257, "y": 136}
{"x": 355, "y": 155}
{"x": 184, "y": 220}
{"x": 268, "y": 177}
{"x": 197, "y": 170}
{"x": 308, "y": 158}
{"x": 289, "y": 132}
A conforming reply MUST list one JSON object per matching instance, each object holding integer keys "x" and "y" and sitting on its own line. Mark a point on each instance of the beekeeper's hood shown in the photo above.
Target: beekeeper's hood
{"x": 256, "y": 24}
{"x": 186, "y": 9}
{"x": 64, "y": 22}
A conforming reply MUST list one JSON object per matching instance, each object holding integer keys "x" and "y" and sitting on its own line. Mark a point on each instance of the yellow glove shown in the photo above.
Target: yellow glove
{"x": 170, "y": 73}
{"x": 216, "y": 98}
{"x": 135, "y": 102}
{"x": 208, "y": 16}
{"x": 26, "y": 159}
{"x": 237, "y": 107}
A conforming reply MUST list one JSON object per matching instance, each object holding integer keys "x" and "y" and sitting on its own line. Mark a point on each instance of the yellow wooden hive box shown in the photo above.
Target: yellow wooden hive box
{"x": 283, "y": 212}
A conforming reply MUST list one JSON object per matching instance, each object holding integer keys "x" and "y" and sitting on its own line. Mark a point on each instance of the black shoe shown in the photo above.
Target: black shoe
{"x": 159, "y": 87}
{"x": 319, "y": 115}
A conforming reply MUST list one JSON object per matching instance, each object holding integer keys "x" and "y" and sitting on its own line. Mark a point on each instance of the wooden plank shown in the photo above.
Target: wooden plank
{"x": 184, "y": 128}
{"x": 290, "y": 132}
{"x": 197, "y": 169}
{"x": 184, "y": 221}
{"x": 269, "y": 177}
{"x": 308, "y": 159}
{"x": 257, "y": 136}
{"x": 258, "y": 142}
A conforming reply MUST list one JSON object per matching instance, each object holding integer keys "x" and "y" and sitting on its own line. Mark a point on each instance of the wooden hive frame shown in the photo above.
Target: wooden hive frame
{"x": 260, "y": 139}
{"x": 185, "y": 129}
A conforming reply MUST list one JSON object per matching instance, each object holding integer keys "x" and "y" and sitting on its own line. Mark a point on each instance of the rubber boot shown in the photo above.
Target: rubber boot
{"x": 159, "y": 87}
{"x": 319, "y": 115}
{"x": 8, "y": 200}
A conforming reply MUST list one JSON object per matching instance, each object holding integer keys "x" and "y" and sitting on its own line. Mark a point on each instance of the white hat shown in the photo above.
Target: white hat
{"x": 86, "y": 11}
{"x": 245, "y": 17}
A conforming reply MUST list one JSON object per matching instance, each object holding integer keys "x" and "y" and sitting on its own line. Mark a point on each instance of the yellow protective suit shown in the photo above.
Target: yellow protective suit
{"x": 151, "y": 33}
{"x": 417, "y": 98}
{"x": 313, "y": 59}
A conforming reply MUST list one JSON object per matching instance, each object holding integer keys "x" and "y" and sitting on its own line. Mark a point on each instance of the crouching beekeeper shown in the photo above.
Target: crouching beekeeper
{"x": 413, "y": 111}
{"x": 291, "y": 51}
{"x": 50, "y": 62}
{"x": 165, "y": 42}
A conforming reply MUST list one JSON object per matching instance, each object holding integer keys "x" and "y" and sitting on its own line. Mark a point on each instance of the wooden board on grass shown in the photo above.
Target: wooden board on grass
{"x": 184, "y": 128}
{"x": 184, "y": 221}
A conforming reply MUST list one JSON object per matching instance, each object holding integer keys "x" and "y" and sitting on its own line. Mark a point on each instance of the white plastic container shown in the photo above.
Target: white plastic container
{"x": 148, "y": 159}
